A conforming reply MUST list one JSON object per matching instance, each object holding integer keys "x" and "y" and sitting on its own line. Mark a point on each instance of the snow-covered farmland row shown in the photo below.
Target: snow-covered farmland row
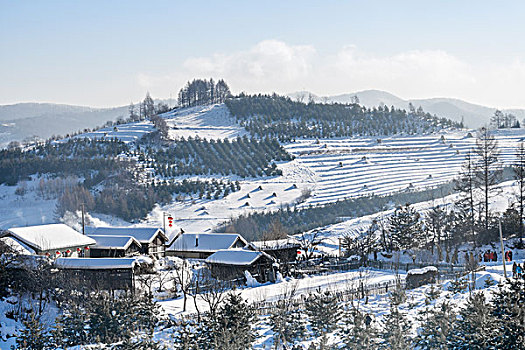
{"x": 362, "y": 166}
{"x": 129, "y": 132}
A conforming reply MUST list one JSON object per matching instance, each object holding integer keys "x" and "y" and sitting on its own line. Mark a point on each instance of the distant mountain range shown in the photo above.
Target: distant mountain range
{"x": 474, "y": 116}
{"x": 22, "y": 121}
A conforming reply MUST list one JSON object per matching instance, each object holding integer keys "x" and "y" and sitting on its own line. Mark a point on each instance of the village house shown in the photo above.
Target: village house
{"x": 99, "y": 274}
{"x": 284, "y": 250}
{"x": 52, "y": 240}
{"x": 202, "y": 245}
{"x": 151, "y": 239}
{"x": 231, "y": 264}
{"x": 115, "y": 246}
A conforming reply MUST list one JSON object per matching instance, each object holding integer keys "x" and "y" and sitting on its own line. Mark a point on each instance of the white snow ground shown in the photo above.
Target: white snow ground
{"x": 210, "y": 122}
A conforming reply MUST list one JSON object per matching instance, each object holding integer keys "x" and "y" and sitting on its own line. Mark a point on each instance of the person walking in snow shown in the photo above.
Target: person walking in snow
{"x": 519, "y": 271}
{"x": 514, "y": 267}
{"x": 495, "y": 257}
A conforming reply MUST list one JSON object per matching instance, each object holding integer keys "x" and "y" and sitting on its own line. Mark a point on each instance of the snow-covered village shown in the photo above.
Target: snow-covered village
{"x": 267, "y": 187}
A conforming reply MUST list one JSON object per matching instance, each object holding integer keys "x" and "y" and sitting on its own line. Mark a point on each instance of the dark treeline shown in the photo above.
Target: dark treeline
{"x": 116, "y": 187}
{"x": 242, "y": 156}
{"x": 203, "y": 92}
{"x": 80, "y": 157}
{"x": 97, "y": 163}
{"x": 253, "y": 226}
{"x": 132, "y": 202}
{"x": 282, "y": 118}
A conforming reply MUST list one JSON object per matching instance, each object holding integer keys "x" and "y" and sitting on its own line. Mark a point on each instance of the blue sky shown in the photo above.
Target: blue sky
{"x": 105, "y": 53}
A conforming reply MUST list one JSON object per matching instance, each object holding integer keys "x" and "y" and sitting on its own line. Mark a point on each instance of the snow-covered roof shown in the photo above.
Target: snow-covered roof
{"x": 95, "y": 263}
{"x": 422, "y": 270}
{"x": 207, "y": 242}
{"x": 276, "y": 244}
{"x": 141, "y": 234}
{"x": 50, "y": 237}
{"x": 239, "y": 257}
{"x": 18, "y": 246}
{"x": 113, "y": 242}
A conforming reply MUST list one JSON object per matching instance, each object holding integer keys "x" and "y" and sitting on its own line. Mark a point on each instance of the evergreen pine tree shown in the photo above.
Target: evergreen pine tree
{"x": 232, "y": 329}
{"x": 405, "y": 228}
{"x": 396, "y": 328}
{"x": 508, "y": 307}
{"x": 436, "y": 326}
{"x": 143, "y": 314}
{"x": 287, "y": 323}
{"x": 34, "y": 335}
{"x": 72, "y": 326}
{"x": 357, "y": 331}
{"x": 323, "y": 312}
{"x": 472, "y": 330}
{"x": 322, "y": 344}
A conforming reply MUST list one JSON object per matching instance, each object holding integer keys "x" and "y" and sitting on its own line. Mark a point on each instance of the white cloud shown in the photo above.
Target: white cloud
{"x": 267, "y": 65}
{"x": 273, "y": 65}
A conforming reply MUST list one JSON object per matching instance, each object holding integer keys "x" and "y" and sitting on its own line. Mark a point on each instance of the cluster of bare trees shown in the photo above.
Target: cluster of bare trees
{"x": 202, "y": 92}
{"x": 502, "y": 120}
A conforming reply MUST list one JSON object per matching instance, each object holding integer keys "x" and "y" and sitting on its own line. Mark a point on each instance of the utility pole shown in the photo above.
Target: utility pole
{"x": 83, "y": 221}
{"x": 170, "y": 219}
{"x": 502, "y": 250}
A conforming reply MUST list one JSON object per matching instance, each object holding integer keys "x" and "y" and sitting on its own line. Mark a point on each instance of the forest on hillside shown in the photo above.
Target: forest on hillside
{"x": 114, "y": 178}
{"x": 242, "y": 156}
{"x": 282, "y": 118}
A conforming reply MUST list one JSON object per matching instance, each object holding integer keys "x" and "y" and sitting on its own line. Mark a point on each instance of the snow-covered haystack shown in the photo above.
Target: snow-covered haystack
{"x": 418, "y": 277}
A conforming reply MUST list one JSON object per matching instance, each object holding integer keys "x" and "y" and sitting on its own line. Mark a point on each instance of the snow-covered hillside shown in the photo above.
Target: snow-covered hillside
{"x": 330, "y": 169}
{"x": 344, "y": 168}
{"x": 210, "y": 122}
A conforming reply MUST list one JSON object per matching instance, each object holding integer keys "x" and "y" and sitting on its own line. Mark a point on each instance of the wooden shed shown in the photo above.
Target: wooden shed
{"x": 284, "y": 250}
{"x": 115, "y": 246}
{"x": 231, "y": 264}
{"x": 99, "y": 274}
{"x": 419, "y": 277}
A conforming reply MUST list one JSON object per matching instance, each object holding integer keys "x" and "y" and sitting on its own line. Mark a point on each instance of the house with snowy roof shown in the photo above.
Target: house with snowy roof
{"x": 231, "y": 264}
{"x": 202, "y": 245}
{"x": 152, "y": 239}
{"x": 114, "y": 246}
{"x": 284, "y": 250}
{"x": 99, "y": 274}
{"x": 53, "y": 240}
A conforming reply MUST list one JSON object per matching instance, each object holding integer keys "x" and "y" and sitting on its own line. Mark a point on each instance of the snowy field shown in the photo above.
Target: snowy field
{"x": 276, "y": 291}
{"x": 29, "y": 209}
{"x": 349, "y": 167}
{"x": 210, "y": 122}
